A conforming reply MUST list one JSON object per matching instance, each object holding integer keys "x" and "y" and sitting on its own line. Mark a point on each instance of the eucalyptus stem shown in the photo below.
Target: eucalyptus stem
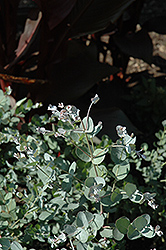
{"x": 92, "y": 144}
{"x": 113, "y": 187}
{"x": 71, "y": 243}
{"x": 89, "y": 147}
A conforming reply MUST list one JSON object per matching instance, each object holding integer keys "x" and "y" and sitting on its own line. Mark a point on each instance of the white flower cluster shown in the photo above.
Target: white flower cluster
{"x": 42, "y": 130}
{"x": 57, "y": 240}
{"x": 152, "y": 204}
{"x": 158, "y": 231}
{"x": 121, "y": 131}
{"x": 128, "y": 141}
{"x": 67, "y": 113}
{"x": 20, "y": 154}
{"x": 151, "y": 201}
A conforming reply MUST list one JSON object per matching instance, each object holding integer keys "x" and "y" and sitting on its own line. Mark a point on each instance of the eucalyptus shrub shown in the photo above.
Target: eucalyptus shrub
{"x": 155, "y": 158}
{"x": 57, "y": 185}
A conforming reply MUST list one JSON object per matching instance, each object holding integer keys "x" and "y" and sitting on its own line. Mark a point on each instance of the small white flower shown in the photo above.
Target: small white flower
{"x": 99, "y": 123}
{"x": 52, "y": 108}
{"x": 19, "y": 155}
{"x": 150, "y": 198}
{"x": 8, "y": 90}
{"x": 63, "y": 116}
{"x": 95, "y": 99}
{"x": 61, "y": 105}
{"x": 75, "y": 118}
{"x": 62, "y": 237}
{"x": 152, "y": 204}
{"x": 73, "y": 112}
{"x": 57, "y": 134}
{"x": 121, "y": 131}
{"x": 16, "y": 155}
{"x": 68, "y": 108}
{"x": 38, "y": 105}
{"x": 41, "y": 130}
{"x": 158, "y": 231}
{"x": 15, "y": 139}
{"x": 56, "y": 240}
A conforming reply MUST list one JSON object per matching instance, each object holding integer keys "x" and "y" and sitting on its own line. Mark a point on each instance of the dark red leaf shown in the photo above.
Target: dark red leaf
{"x": 157, "y": 24}
{"x": 8, "y": 26}
{"x": 74, "y": 76}
{"x": 29, "y": 30}
{"x": 138, "y": 45}
{"x": 29, "y": 40}
{"x": 55, "y": 10}
{"x": 4, "y": 84}
{"x": 85, "y": 17}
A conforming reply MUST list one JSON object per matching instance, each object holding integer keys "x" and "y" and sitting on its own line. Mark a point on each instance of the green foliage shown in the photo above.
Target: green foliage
{"x": 58, "y": 186}
{"x": 154, "y": 160}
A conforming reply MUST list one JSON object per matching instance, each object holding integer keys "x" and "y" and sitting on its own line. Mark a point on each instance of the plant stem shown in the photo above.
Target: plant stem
{"x": 89, "y": 147}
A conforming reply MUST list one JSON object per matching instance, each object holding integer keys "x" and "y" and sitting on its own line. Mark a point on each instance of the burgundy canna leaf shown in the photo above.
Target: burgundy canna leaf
{"x": 30, "y": 28}
{"x": 55, "y": 10}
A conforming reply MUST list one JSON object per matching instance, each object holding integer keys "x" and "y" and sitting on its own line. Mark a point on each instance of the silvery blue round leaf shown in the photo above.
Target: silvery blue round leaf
{"x": 70, "y": 229}
{"x": 82, "y": 235}
{"x": 87, "y": 125}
